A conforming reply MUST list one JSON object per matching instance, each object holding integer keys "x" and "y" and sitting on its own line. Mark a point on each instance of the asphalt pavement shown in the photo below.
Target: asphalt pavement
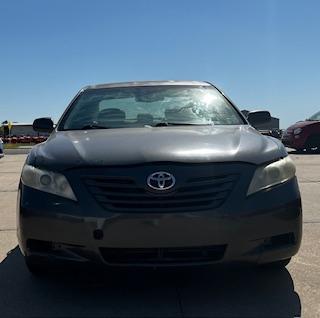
{"x": 187, "y": 292}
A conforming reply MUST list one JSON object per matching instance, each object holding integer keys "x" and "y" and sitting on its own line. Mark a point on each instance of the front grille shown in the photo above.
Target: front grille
{"x": 163, "y": 255}
{"x": 126, "y": 195}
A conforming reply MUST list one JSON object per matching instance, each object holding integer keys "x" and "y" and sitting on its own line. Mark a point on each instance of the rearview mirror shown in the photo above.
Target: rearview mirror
{"x": 258, "y": 117}
{"x": 44, "y": 124}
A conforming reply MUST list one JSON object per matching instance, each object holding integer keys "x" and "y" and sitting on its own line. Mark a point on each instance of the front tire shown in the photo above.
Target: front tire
{"x": 313, "y": 143}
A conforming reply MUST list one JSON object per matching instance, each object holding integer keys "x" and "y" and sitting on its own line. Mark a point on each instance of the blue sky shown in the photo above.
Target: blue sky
{"x": 265, "y": 54}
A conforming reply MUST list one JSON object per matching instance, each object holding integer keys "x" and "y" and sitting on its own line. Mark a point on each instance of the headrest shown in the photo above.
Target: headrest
{"x": 111, "y": 114}
{"x": 180, "y": 114}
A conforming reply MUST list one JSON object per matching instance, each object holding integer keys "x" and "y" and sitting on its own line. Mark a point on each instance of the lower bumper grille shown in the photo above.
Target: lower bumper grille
{"x": 163, "y": 255}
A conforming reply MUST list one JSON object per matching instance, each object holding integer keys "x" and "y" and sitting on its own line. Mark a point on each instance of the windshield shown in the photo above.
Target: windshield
{"x": 316, "y": 116}
{"x": 149, "y": 106}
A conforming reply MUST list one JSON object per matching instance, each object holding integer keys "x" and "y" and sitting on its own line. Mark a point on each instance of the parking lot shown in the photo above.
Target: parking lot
{"x": 196, "y": 292}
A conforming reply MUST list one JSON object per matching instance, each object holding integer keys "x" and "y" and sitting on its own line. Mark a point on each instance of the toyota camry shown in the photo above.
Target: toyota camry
{"x": 160, "y": 173}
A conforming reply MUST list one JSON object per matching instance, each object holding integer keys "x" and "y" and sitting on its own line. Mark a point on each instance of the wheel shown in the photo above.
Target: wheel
{"x": 278, "y": 264}
{"x": 36, "y": 267}
{"x": 313, "y": 143}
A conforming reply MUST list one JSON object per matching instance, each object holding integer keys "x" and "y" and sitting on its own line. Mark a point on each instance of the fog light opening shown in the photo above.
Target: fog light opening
{"x": 279, "y": 241}
{"x": 39, "y": 246}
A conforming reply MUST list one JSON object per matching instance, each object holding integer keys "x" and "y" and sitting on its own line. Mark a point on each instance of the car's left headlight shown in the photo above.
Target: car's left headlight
{"x": 297, "y": 131}
{"x": 47, "y": 181}
{"x": 272, "y": 174}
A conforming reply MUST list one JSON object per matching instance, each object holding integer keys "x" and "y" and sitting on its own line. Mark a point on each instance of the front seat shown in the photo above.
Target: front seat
{"x": 183, "y": 114}
{"x": 111, "y": 117}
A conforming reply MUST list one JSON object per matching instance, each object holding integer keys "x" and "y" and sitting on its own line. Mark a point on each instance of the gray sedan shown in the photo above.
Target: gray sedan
{"x": 157, "y": 174}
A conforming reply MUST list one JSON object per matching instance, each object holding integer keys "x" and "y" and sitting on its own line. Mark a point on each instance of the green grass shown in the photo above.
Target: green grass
{"x": 15, "y": 146}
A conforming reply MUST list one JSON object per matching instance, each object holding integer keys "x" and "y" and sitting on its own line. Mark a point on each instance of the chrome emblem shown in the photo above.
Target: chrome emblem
{"x": 161, "y": 180}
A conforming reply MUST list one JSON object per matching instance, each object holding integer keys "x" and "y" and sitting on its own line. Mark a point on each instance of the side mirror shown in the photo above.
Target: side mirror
{"x": 43, "y": 125}
{"x": 258, "y": 117}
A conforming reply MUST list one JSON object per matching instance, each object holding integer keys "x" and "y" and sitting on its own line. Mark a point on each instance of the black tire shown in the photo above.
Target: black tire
{"x": 313, "y": 143}
{"x": 278, "y": 264}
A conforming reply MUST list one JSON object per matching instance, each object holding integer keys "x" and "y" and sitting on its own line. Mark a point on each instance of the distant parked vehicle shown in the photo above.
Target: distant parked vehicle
{"x": 1, "y": 149}
{"x": 24, "y": 139}
{"x": 276, "y": 133}
{"x": 271, "y": 132}
{"x": 304, "y": 135}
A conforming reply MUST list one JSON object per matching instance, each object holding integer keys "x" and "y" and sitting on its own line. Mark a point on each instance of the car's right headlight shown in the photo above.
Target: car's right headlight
{"x": 272, "y": 174}
{"x": 47, "y": 181}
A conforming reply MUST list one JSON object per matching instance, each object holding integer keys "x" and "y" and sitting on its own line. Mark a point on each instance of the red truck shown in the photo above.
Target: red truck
{"x": 304, "y": 135}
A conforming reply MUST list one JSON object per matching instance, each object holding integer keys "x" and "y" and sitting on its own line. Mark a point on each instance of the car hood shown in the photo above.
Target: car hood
{"x": 126, "y": 146}
{"x": 302, "y": 124}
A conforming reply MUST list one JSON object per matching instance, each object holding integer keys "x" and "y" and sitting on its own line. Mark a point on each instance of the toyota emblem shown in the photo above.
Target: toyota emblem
{"x": 161, "y": 180}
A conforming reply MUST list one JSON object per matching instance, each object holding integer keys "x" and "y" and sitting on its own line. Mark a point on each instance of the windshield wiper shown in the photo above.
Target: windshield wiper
{"x": 164, "y": 124}
{"x": 93, "y": 126}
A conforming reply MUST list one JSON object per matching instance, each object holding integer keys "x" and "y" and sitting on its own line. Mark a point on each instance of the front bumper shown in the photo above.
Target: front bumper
{"x": 262, "y": 228}
{"x": 294, "y": 141}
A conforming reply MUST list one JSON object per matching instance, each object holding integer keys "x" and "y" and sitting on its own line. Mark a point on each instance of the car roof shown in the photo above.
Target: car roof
{"x": 148, "y": 83}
